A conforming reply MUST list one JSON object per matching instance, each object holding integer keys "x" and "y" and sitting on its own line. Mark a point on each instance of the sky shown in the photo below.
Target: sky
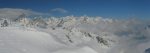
{"x": 103, "y": 8}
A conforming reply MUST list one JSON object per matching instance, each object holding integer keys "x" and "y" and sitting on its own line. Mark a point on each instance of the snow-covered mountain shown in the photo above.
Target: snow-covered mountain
{"x": 73, "y": 35}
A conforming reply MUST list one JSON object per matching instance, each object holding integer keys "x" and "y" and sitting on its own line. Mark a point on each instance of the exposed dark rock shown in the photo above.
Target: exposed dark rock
{"x": 69, "y": 39}
{"x": 101, "y": 40}
{"x": 4, "y": 24}
{"x": 147, "y": 50}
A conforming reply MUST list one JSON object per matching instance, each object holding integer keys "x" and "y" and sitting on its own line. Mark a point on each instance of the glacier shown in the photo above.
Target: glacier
{"x": 72, "y": 34}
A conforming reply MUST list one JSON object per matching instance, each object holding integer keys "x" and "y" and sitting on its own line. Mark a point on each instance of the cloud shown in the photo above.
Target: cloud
{"x": 61, "y": 10}
{"x": 15, "y": 12}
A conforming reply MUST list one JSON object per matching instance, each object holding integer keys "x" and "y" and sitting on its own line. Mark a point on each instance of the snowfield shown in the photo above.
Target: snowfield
{"x": 80, "y": 50}
{"x": 74, "y": 35}
{"x": 17, "y": 40}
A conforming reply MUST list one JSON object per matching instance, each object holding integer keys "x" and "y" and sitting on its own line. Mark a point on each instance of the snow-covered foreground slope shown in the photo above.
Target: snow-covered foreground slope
{"x": 19, "y": 40}
{"x": 80, "y": 50}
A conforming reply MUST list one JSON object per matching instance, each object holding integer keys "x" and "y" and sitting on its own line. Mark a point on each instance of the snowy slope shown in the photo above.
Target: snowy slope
{"x": 20, "y": 40}
{"x": 80, "y": 50}
{"x": 14, "y": 40}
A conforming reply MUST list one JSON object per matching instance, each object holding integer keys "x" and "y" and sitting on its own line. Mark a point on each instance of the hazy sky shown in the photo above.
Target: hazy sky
{"x": 104, "y": 8}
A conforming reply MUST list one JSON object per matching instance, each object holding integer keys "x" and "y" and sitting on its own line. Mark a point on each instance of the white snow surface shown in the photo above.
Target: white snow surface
{"x": 15, "y": 40}
{"x": 20, "y": 40}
